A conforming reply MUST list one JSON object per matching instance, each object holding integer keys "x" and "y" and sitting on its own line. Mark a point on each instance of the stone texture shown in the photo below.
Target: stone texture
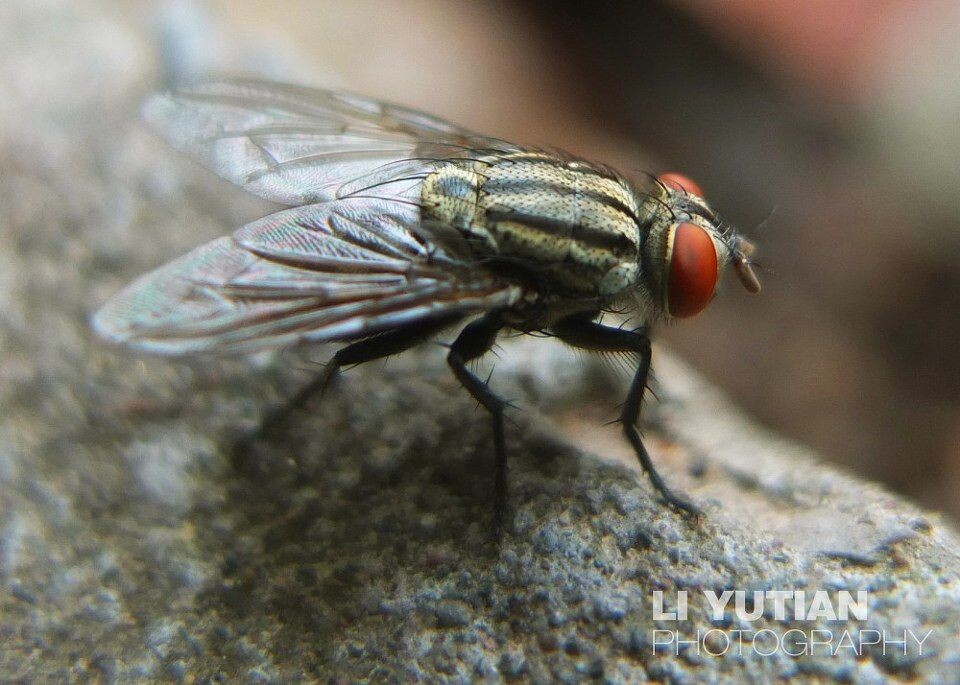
{"x": 353, "y": 545}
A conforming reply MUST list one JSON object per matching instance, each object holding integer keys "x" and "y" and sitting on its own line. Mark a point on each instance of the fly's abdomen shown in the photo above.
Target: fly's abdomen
{"x": 570, "y": 226}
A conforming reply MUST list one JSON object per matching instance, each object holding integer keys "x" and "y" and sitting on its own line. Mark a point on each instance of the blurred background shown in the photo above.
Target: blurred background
{"x": 828, "y": 131}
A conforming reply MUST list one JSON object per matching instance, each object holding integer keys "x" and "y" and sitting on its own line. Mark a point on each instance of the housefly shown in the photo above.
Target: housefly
{"x": 400, "y": 225}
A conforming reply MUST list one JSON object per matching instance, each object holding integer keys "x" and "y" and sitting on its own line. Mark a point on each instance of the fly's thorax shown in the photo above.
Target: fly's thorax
{"x": 567, "y": 226}
{"x": 451, "y": 197}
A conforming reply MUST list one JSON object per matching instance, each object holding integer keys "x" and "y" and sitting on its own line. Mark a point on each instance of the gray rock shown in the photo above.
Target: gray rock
{"x": 354, "y": 544}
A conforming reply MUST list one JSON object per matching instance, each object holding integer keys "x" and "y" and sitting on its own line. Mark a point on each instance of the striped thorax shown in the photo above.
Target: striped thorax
{"x": 571, "y": 229}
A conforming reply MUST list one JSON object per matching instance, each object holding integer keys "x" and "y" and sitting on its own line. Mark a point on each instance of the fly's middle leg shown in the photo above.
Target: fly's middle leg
{"x": 587, "y": 334}
{"x": 475, "y": 340}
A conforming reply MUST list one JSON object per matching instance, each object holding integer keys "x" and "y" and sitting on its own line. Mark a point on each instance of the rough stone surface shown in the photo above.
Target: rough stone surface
{"x": 354, "y": 544}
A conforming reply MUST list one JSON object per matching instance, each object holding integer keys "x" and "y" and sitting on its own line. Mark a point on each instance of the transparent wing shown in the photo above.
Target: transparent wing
{"x": 337, "y": 270}
{"x": 296, "y": 145}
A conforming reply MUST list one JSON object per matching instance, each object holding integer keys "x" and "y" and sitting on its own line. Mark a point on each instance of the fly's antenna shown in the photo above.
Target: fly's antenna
{"x": 743, "y": 250}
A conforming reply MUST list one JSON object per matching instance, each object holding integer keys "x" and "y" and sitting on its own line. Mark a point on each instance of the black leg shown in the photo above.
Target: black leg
{"x": 474, "y": 340}
{"x": 587, "y": 334}
{"x": 368, "y": 349}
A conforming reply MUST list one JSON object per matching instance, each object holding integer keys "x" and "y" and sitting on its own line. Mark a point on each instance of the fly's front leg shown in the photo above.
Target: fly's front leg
{"x": 584, "y": 333}
{"x": 475, "y": 340}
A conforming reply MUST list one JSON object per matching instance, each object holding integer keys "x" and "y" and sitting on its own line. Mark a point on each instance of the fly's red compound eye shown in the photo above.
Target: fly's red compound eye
{"x": 692, "y": 271}
{"x": 677, "y": 181}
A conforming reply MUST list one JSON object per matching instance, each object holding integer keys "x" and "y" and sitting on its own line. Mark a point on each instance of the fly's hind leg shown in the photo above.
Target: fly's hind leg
{"x": 368, "y": 349}
{"x": 475, "y": 340}
{"x": 587, "y": 334}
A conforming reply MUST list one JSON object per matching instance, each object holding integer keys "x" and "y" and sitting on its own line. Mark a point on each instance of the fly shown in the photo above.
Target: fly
{"x": 400, "y": 225}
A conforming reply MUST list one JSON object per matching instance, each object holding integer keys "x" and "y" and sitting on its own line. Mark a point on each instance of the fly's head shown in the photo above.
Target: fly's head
{"x": 687, "y": 249}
